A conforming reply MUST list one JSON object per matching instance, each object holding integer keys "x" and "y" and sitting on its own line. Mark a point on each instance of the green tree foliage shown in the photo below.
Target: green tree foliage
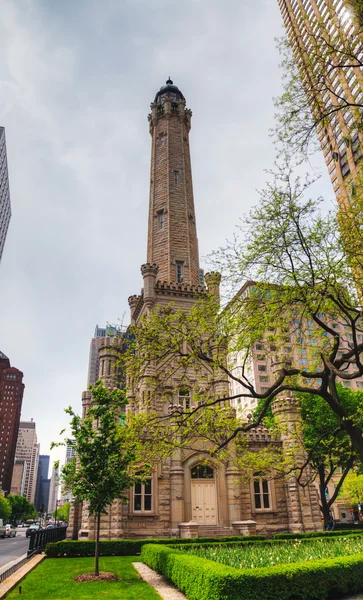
{"x": 62, "y": 512}
{"x": 21, "y": 508}
{"x": 106, "y": 455}
{"x": 289, "y": 284}
{"x": 5, "y": 508}
{"x": 352, "y": 489}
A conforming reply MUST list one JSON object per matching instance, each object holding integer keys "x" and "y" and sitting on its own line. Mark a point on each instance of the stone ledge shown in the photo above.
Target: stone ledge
{"x": 12, "y": 581}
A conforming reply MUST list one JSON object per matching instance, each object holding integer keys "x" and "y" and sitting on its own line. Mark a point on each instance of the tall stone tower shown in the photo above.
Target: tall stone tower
{"x": 172, "y": 236}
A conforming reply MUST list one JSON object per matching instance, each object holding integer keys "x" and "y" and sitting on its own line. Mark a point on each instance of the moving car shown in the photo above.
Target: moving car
{"x": 10, "y": 531}
{"x": 2, "y": 528}
{"x": 32, "y": 528}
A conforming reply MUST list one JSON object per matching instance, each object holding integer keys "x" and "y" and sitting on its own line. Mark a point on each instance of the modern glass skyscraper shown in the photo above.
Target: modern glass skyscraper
{"x": 326, "y": 39}
{"x": 5, "y": 208}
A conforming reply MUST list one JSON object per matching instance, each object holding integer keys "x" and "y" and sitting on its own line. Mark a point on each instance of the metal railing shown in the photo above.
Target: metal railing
{"x": 39, "y": 539}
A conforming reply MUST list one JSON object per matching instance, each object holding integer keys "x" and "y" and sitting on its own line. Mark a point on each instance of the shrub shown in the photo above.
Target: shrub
{"x": 315, "y": 534}
{"x": 202, "y": 579}
{"x": 70, "y": 548}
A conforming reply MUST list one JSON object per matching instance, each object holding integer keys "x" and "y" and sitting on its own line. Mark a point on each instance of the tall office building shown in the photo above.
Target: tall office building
{"x": 5, "y": 208}
{"x": 43, "y": 484}
{"x": 70, "y": 451}
{"x": 322, "y": 33}
{"x": 100, "y": 335}
{"x": 27, "y": 449}
{"x": 11, "y": 398}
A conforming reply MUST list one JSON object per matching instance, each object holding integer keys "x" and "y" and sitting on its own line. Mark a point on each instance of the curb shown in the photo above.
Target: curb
{"x": 12, "y": 581}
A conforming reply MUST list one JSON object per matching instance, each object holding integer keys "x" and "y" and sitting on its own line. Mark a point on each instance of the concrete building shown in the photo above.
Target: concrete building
{"x": 5, "y": 207}
{"x": 190, "y": 493}
{"x": 311, "y": 26}
{"x": 43, "y": 483}
{"x": 27, "y": 449}
{"x": 70, "y": 451}
{"x": 53, "y": 490}
{"x": 11, "y": 398}
{"x": 18, "y": 478}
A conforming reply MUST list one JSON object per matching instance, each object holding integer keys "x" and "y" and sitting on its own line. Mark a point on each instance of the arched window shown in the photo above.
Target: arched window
{"x": 202, "y": 472}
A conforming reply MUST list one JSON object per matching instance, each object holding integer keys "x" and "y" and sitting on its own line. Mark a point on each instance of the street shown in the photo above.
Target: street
{"x": 12, "y": 548}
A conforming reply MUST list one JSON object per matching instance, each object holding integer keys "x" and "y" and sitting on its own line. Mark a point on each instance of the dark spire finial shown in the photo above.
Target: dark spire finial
{"x": 169, "y": 81}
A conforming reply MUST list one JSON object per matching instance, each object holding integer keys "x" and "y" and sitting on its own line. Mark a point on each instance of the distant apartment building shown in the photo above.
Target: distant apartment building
{"x": 43, "y": 484}
{"x": 5, "y": 207}
{"x": 100, "y": 335}
{"x": 256, "y": 366}
{"x": 326, "y": 41}
{"x": 11, "y": 398}
{"x": 27, "y": 449}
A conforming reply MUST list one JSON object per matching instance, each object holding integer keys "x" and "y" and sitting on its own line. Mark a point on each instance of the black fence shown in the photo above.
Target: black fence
{"x": 39, "y": 539}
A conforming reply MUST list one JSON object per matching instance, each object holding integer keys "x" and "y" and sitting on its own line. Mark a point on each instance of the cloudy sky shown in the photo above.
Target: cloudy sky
{"x": 76, "y": 81}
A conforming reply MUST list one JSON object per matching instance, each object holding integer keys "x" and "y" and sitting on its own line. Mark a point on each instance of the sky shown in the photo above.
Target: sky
{"x": 76, "y": 81}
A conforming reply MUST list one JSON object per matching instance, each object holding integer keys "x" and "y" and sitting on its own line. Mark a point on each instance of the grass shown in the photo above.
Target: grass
{"x": 260, "y": 555}
{"x": 53, "y": 580}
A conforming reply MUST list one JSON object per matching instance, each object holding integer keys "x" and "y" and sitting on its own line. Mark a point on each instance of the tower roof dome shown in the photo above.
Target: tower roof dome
{"x": 170, "y": 89}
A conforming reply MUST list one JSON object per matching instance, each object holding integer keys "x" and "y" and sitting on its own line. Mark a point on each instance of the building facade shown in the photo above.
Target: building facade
{"x": 27, "y": 449}
{"x": 43, "y": 483}
{"x": 100, "y": 335}
{"x": 5, "y": 207}
{"x": 11, "y": 398}
{"x": 18, "y": 478}
{"x": 53, "y": 490}
{"x": 189, "y": 493}
{"x": 322, "y": 34}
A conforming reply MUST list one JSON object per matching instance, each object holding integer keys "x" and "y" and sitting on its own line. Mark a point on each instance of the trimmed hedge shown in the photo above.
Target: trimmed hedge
{"x": 202, "y": 579}
{"x": 315, "y": 534}
{"x": 73, "y": 548}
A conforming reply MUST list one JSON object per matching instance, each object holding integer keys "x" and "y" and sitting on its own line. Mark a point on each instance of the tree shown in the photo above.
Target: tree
{"x": 329, "y": 452}
{"x": 289, "y": 280}
{"x": 352, "y": 490}
{"x": 62, "y": 513}
{"x": 5, "y": 508}
{"x": 106, "y": 455}
{"x": 21, "y": 508}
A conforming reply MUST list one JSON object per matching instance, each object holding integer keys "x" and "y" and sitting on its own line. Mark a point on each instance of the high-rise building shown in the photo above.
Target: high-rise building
{"x": 43, "y": 484}
{"x": 27, "y": 449}
{"x": 322, "y": 33}
{"x": 100, "y": 335}
{"x": 18, "y": 479}
{"x": 70, "y": 451}
{"x": 11, "y": 398}
{"x": 5, "y": 207}
{"x": 53, "y": 490}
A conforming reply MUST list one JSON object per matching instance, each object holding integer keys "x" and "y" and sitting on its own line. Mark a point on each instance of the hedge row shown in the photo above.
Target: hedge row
{"x": 315, "y": 534}
{"x": 72, "y": 548}
{"x": 202, "y": 579}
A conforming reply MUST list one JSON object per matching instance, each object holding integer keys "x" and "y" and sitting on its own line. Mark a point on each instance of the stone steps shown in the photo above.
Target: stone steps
{"x": 214, "y": 531}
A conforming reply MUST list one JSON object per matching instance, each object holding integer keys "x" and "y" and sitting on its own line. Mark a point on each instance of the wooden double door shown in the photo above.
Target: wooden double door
{"x": 204, "y": 496}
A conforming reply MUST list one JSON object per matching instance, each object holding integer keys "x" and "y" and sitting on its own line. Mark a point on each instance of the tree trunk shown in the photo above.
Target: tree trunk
{"x": 97, "y": 548}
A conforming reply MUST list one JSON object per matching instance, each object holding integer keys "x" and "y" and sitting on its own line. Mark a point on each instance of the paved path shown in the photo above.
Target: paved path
{"x": 163, "y": 588}
{"x": 12, "y": 548}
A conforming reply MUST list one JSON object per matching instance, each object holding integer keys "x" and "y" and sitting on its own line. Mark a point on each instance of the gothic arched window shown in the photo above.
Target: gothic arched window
{"x": 202, "y": 472}
{"x": 184, "y": 399}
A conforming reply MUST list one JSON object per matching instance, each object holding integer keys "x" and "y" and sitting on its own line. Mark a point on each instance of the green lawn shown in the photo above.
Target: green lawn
{"x": 53, "y": 580}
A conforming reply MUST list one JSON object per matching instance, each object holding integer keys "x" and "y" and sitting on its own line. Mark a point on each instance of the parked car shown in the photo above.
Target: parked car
{"x": 2, "y": 528}
{"x": 32, "y": 528}
{"x": 10, "y": 530}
